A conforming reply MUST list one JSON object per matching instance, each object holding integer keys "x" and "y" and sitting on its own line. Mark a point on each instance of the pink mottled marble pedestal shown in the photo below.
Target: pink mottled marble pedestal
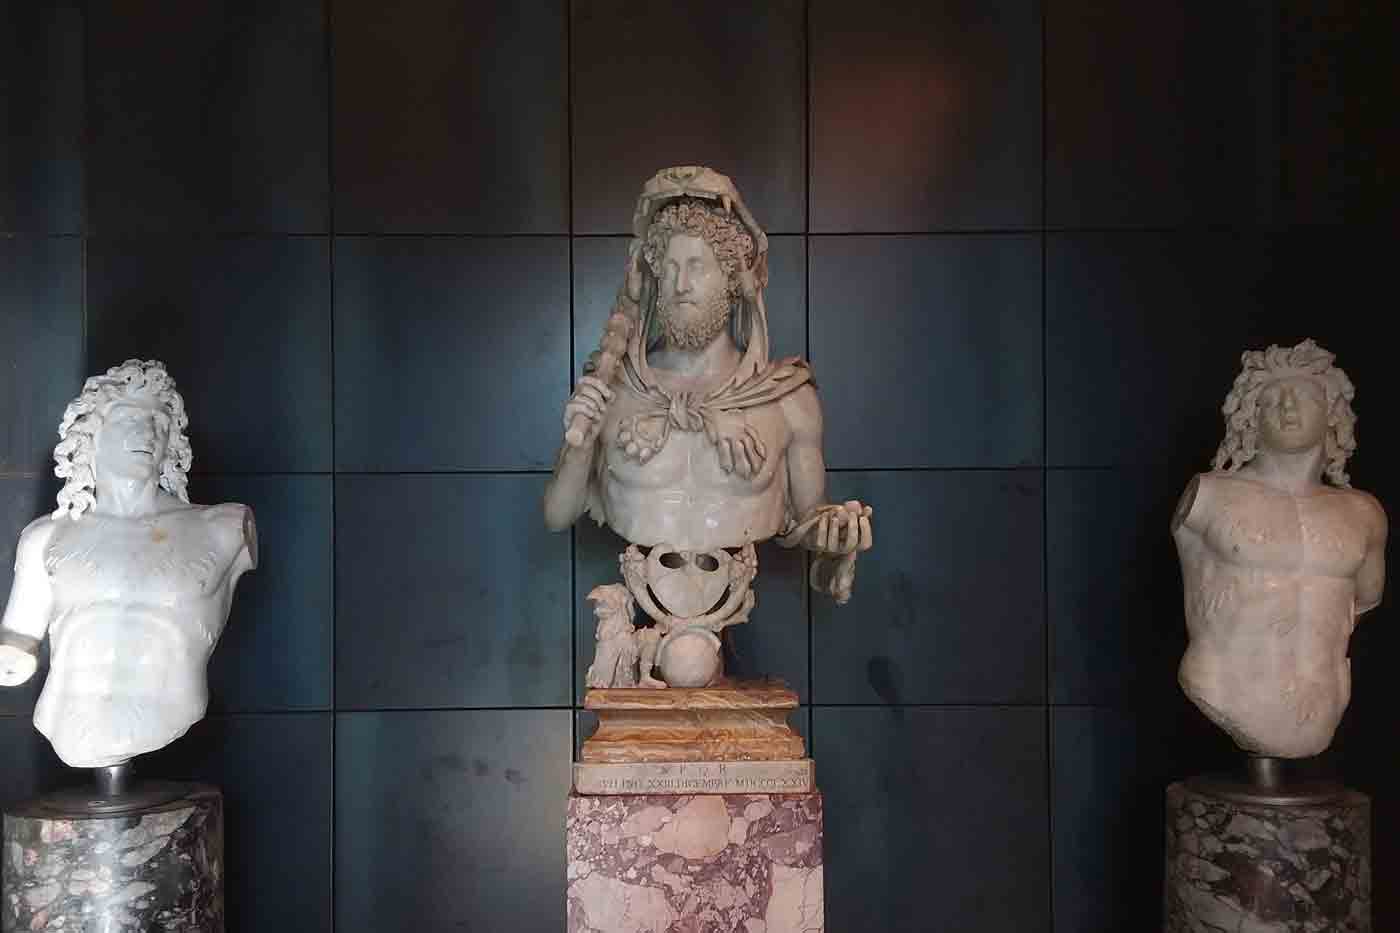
{"x": 713, "y": 863}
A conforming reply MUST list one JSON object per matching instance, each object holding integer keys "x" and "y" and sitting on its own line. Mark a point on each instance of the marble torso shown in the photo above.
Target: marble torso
{"x": 682, "y": 496}
{"x": 1270, "y": 594}
{"x": 138, "y": 605}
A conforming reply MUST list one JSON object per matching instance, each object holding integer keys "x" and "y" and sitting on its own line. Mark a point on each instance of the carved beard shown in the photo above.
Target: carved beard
{"x": 694, "y": 330}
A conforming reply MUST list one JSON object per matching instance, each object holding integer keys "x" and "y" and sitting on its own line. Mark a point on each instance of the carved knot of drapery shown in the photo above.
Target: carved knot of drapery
{"x": 690, "y": 414}
{"x": 719, "y": 414}
{"x": 643, "y": 435}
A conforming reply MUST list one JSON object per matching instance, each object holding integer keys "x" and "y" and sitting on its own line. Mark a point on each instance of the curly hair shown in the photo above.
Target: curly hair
{"x": 724, "y": 234}
{"x": 1261, "y": 367}
{"x": 84, "y": 416}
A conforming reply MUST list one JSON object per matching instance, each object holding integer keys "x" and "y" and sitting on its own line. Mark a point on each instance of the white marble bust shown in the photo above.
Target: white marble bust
{"x": 130, "y": 582}
{"x": 686, "y": 439}
{"x": 1279, "y": 557}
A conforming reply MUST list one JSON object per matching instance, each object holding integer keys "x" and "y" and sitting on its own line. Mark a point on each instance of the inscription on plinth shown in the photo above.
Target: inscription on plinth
{"x": 696, "y": 777}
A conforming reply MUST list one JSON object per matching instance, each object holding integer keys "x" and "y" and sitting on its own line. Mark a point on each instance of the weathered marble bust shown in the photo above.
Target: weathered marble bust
{"x": 688, "y": 441}
{"x": 1279, "y": 556}
{"x": 130, "y": 582}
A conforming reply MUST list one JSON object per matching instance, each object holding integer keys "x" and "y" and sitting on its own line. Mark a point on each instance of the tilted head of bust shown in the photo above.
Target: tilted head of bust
{"x": 128, "y": 423}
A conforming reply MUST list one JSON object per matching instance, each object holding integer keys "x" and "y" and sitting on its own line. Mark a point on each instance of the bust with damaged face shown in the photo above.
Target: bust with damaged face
{"x": 130, "y": 582}
{"x": 1277, "y": 564}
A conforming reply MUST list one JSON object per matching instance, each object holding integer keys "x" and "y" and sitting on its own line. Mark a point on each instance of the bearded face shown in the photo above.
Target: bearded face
{"x": 693, "y": 305}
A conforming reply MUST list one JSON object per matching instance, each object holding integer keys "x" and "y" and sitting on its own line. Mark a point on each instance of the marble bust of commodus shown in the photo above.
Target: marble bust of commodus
{"x": 704, "y": 442}
{"x": 689, "y": 441}
{"x": 130, "y": 582}
{"x": 1279, "y": 557}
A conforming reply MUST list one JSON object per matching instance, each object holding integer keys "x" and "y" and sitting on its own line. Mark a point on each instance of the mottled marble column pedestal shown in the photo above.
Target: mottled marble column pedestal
{"x": 159, "y": 868}
{"x": 709, "y": 863}
{"x": 1247, "y": 867}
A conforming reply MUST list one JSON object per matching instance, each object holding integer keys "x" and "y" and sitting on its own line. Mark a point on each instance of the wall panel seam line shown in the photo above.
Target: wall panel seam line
{"x": 1049, "y": 850}
{"x": 807, "y": 331}
{"x": 1030, "y": 230}
{"x": 945, "y": 704}
{"x": 328, "y": 41}
{"x": 83, "y": 207}
{"x": 572, "y": 686}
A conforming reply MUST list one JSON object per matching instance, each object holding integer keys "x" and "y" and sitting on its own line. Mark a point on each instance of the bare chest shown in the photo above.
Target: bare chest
{"x": 167, "y": 561}
{"x": 1270, "y": 530}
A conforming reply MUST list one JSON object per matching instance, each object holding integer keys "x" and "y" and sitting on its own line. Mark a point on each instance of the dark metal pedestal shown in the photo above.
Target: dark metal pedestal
{"x": 120, "y": 859}
{"x": 1267, "y": 857}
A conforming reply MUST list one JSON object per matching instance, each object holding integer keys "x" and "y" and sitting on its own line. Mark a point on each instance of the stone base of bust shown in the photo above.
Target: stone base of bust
{"x": 1237, "y": 865}
{"x": 157, "y": 868}
{"x": 733, "y": 721}
{"x": 668, "y": 863}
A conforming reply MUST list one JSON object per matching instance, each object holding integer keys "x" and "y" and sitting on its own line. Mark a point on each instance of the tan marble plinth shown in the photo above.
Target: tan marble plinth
{"x": 729, "y": 722}
{"x": 665, "y": 863}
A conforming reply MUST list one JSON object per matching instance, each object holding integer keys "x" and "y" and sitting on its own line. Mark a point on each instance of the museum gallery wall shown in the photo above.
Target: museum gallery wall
{"x": 1022, "y": 245}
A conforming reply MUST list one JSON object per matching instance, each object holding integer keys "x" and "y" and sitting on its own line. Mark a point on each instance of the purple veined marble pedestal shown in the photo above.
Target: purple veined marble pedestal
{"x": 1238, "y": 865}
{"x": 704, "y": 863}
{"x": 70, "y": 870}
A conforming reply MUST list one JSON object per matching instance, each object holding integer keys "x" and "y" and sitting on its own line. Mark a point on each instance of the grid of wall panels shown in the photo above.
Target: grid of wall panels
{"x": 1022, "y": 242}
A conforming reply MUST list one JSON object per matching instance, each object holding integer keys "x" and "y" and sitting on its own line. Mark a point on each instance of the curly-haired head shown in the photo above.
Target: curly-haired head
{"x": 144, "y": 382}
{"x": 1262, "y": 367}
{"x": 721, "y": 231}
